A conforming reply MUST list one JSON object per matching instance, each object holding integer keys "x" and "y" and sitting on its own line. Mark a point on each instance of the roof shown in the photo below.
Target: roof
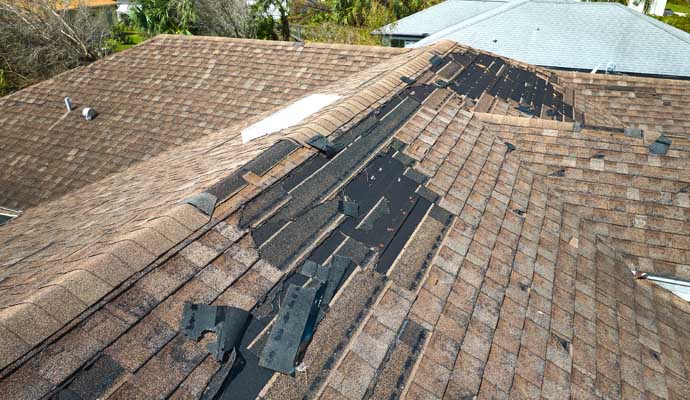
{"x": 469, "y": 223}
{"x": 567, "y": 34}
{"x": 168, "y": 91}
{"x": 438, "y": 17}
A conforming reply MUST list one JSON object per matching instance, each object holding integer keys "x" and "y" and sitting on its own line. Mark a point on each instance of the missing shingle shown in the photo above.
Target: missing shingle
{"x": 523, "y": 286}
{"x": 442, "y": 83}
{"x": 509, "y": 147}
{"x": 227, "y": 322}
{"x": 599, "y": 156}
{"x": 407, "y": 80}
{"x": 519, "y": 212}
{"x": 577, "y": 126}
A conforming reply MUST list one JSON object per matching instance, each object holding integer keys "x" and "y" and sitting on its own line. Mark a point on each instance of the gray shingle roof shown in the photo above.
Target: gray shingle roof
{"x": 573, "y": 35}
{"x": 440, "y": 16}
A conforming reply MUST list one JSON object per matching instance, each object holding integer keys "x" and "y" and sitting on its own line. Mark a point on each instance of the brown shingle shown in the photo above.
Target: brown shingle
{"x": 527, "y": 292}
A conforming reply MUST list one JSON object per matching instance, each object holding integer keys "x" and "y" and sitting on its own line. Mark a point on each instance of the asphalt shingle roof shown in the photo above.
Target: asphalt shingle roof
{"x": 166, "y": 92}
{"x": 500, "y": 212}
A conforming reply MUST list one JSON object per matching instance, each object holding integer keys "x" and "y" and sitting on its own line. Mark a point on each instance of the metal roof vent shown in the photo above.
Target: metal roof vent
{"x": 88, "y": 113}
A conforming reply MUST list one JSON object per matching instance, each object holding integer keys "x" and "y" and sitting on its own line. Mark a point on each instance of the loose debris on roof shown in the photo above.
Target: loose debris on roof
{"x": 421, "y": 250}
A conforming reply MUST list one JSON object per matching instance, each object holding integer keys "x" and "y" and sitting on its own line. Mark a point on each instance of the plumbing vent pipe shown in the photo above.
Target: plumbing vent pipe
{"x": 68, "y": 104}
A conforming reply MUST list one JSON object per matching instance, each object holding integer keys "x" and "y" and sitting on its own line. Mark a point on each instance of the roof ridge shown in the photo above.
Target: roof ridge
{"x": 278, "y": 43}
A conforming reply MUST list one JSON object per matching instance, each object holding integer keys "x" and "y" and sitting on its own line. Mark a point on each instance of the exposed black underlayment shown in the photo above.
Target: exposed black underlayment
{"x": 298, "y": 216}
{"x": 484, "y": 73}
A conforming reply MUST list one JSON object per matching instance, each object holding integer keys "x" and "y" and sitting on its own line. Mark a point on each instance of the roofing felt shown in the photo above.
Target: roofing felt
{"x": 166, "y": 92}
{"x": 490, "y": 254}
{"x": 569, "y": 34}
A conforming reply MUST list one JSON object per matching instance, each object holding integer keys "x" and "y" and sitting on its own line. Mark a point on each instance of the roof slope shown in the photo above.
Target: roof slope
{"x": 438, "y": 17}
{"x": 498, "y": 217}
{"x": 163, "y": 93}
{"x": 576, "y": 35}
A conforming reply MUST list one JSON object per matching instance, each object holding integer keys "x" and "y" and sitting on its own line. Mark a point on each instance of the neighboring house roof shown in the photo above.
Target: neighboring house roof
{"x": 438, "y": 17}
{"x": 166, "y": 92}
{"x": 478, "y": 219}
{"x": 568, "y": 34}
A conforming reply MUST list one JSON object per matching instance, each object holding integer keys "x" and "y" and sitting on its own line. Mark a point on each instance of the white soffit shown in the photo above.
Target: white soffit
{"x": 288, "y": 116}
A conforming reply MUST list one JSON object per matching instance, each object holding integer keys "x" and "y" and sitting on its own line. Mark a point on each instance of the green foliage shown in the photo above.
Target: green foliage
{"x": 330, "y": 32}
{"x": 124, "y": 36}
{"x": 682, "y": 7}
{"x": 358, "y": 12}
{"x": 682, "y": 23}
{"x": 164, "y": 16}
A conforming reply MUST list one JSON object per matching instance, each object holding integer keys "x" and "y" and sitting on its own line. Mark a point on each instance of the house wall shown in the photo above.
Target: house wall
{"x": 657, "y": 7}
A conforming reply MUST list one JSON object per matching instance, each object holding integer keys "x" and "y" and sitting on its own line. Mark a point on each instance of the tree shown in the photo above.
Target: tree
{"x": 267, "y": 11}
{"x": 164, "y": 16}
{"x": 230, "y": 18}
{"x": 40, "y": 38}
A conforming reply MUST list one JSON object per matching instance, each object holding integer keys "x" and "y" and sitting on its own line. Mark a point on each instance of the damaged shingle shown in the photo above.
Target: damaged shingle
{"x": 292, "y": 325}
{"x": 205, "y": 202}
{"x": 349, "y": 208}
{"x": 227, "y": 322}
{"x": 322, "y": 144}
{"x": 633, "y": 132}
{"x": 660, "y": 145}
